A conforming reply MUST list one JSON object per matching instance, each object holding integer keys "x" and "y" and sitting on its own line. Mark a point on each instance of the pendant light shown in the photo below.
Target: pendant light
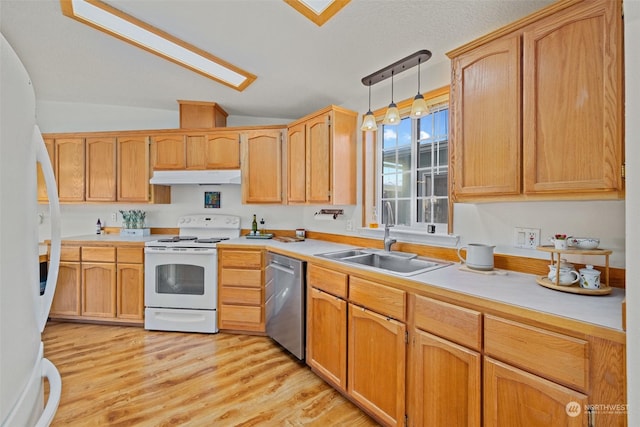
{"x": 419, "y": 107}
{"x": 392, "y": 117}
{"x": 369, "y": 121}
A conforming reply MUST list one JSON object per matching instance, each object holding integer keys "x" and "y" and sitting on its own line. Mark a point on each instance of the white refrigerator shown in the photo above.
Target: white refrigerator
{"x": 23, "y": 311}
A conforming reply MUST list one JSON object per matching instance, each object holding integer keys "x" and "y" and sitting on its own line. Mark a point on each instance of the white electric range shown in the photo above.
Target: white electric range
{"x": 181, "y": 274}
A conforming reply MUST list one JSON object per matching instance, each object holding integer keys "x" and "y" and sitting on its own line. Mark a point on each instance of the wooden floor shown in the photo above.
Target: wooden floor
{"x": 126, "y": 376}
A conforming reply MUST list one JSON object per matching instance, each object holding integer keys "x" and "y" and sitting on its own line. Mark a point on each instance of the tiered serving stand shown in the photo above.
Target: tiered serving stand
{"x": 575, "y": 288}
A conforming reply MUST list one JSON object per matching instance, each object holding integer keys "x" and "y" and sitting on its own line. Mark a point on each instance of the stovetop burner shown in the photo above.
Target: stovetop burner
{"x": 211, "y": 240}
{"x": 178, "y": 239}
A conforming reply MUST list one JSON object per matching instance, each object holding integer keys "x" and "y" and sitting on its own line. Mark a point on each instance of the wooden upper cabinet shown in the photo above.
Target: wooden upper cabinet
{"x": 101, "y": 169}
{"x": 262, "y": 166}
{"x": 222, "y": 150}
{"x": 296, "y": 164}
{"x": 133, "y": 169}
{"x": 321, "y": 158}
{"x": 70, "y": 169}
{"x": 42, "y": 187}
{"x": 168, "y": 152}
{"x": 537, "y": 113}
{"x": 486, "y": 107}
{"x": 573, "y": 100}
{"x": 199, "y": 114}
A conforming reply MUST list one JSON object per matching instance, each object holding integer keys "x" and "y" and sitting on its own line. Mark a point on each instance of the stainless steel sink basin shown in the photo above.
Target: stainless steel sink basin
{"x": 399, "y": 263}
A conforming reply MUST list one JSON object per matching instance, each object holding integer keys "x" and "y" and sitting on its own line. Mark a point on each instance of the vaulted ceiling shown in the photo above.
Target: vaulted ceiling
{"x": 300, "y": 66}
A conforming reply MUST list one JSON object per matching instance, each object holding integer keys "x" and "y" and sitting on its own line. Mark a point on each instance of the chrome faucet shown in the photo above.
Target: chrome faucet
{"x": 388, "y": 223}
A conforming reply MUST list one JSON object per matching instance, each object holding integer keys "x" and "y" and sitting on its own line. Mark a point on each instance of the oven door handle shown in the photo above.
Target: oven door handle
{"x": 283, "y": 268}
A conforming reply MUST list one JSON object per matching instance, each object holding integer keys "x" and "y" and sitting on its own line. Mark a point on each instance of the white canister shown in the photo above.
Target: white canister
{"x": 589, "y": 278}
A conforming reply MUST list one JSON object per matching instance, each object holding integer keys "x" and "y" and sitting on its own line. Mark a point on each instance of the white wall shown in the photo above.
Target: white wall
{"x": 632, "y": 64}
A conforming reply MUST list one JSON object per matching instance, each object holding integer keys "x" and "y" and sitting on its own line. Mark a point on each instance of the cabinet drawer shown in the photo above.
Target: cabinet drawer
{"x": 240, "y": 314}
{"x": 329, "y": 281}
{"x": 379, "y": 298}
{"x": 70, "y": 253}
{"x": 555, "y": 356}
{"x": 248, "y": 296}
{"x": 99, "y": 254}
{"x": 131, "y": 255}
{"x": 243, "y": 259}
{"x": 244, "y": 278}
{"x": 457, "y": 324}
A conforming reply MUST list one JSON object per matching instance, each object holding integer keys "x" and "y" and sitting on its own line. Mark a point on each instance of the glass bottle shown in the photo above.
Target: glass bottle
{"x": 374, "y": 218}
{"x": 254, "y": 225}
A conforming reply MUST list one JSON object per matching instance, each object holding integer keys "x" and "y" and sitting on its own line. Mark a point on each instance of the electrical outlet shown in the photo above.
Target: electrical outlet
{"x": 527, "y": 238}
{"x": 114, "y": 217}
{"x": 349, "y": 225}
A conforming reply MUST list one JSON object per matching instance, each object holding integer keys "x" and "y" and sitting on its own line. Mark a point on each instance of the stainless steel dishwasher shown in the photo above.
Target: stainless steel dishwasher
{"x": 285, "y": 304}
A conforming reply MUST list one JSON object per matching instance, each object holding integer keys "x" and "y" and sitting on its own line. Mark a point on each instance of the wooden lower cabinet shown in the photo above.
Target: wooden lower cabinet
{"x": 445, "y": 386}
{"x": 241, "y": 290}
{"x": 376, "y": 364}
{"x": 327, "y": 337}
{"x": 513, "y": 397}
{"x": 99, "y": 290}
{"x": 100, "y": 285}
{"x": 66, "y": 301}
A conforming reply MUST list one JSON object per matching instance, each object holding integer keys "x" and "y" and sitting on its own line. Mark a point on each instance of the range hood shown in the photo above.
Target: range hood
{"x": 196, "y": 177}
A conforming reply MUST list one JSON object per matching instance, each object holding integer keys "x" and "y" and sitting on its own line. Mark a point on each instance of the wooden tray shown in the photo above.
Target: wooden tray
{"x": 573, "y": 289}
{"x": 288, "y": 239}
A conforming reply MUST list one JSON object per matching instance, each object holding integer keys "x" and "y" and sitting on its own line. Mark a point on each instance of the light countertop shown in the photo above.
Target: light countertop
{"x": 514, "y": 288}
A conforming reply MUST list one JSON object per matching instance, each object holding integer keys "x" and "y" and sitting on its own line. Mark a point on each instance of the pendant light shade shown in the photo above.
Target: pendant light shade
{"x": 392, "y": 117}
{"x": 369, "y": 121}
{"x": 419, "y": 107}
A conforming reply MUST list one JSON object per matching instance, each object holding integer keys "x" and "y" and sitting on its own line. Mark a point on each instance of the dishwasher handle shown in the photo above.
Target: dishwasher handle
{"x": 283, "y": 268}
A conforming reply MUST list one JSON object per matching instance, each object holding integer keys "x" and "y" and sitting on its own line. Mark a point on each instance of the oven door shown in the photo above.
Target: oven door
{"x": 179, "y": 278}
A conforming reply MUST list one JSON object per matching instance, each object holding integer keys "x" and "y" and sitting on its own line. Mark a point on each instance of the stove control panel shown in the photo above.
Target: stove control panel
{"x": 209, "y": 221}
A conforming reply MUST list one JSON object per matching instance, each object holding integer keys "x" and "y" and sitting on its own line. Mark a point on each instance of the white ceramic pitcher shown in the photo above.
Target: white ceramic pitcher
{"x": 479, "y": 256}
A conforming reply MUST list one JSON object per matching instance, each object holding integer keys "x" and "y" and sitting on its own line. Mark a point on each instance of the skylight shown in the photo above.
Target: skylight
{"x": 318, "y": 11}
{"x": 125, "y": 27}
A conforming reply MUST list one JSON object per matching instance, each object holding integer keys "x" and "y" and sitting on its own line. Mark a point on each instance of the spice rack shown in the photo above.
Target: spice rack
{"x": 575, "y": 288}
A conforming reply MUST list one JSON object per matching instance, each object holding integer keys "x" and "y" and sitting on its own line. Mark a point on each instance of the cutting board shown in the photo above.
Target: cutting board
{"x": 288, "y": 239}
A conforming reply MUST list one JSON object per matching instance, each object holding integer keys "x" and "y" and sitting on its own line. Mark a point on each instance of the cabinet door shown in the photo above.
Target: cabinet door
{"x": 486, "y": 114}
{"x": 376, "y": 364}
{"x": 446, "y": 389}
{"x": 99, "y": 290}
{"x": 101, "y": 169}
{"x": 318, "y": 163}
{"x": 296, "y": 164}
{"x": 66, "y": 301}
{"x": 168, "y": 152}
{"x": 130, "y": 291}
{"x": 133, "y": 169}
{"x": 573, "y": 100}
{"x": 49, "y": 143}
{"x": 70, "y": 172}
{"x": 327, "y": 337}
{"x": 223, "y": 151}
{"x": 513, "y": 397}
{"x": 262, "y": 167}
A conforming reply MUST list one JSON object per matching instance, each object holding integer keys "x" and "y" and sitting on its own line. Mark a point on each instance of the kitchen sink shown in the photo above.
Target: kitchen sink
{"x": 399, "y": 263}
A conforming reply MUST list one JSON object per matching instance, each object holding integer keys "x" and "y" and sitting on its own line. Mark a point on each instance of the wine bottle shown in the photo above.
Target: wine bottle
{"x": 254, "y": 225}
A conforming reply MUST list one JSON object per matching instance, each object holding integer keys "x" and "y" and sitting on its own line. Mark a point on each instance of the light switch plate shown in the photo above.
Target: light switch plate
{"x": 527, "y": 238}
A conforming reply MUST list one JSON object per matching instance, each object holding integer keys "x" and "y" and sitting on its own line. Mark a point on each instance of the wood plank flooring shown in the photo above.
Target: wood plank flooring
{"x": 126, "y": 376}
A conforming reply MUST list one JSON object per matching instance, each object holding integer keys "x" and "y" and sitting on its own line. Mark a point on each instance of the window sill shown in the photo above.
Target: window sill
{"x": 409, "y": 235}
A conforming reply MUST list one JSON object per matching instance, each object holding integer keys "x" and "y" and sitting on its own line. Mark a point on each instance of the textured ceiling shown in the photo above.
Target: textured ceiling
{"x": 300, "y": 67}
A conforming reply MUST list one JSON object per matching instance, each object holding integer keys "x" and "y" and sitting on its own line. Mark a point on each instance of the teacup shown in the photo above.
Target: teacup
{"x": 589, "y": 278}
{"x": 568, "y": 276}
